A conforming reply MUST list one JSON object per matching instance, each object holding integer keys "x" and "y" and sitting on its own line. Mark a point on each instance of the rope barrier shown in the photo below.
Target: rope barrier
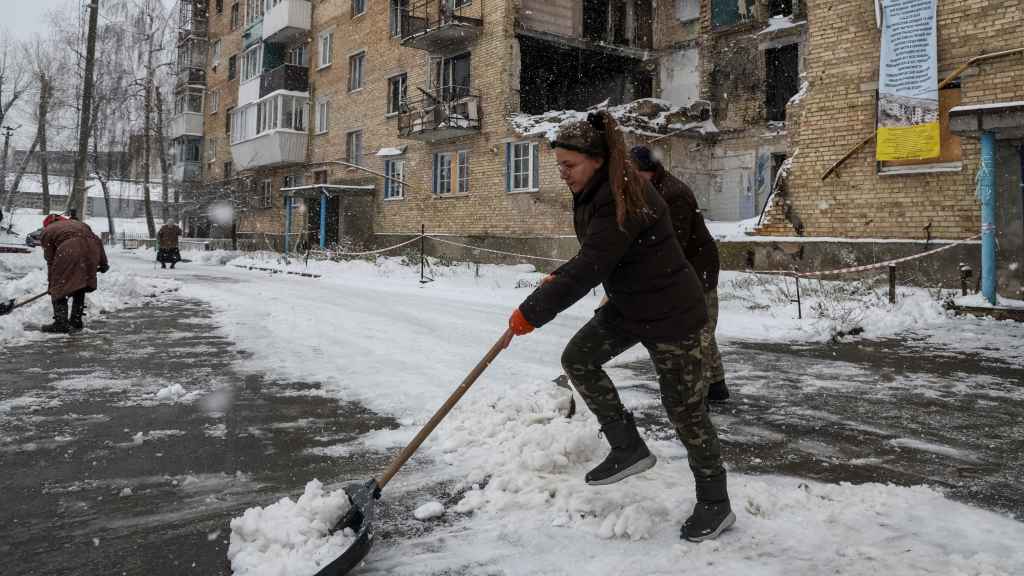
{"x": 866, "y": 267}
{"x": 497, "y": 251}
{"x": 369, "y": 252}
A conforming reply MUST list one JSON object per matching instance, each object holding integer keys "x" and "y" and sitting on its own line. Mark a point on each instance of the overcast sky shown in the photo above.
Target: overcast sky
{"x": 23, "y": 18}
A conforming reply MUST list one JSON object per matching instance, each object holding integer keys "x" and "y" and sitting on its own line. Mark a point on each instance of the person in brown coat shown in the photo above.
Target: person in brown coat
{"x": 701, "y": 251}
{"x": 73, "y": 256}
{"x": 167, "y": 238}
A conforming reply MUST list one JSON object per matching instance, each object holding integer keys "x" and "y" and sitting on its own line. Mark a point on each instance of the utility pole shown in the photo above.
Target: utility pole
{"x": 8, "y": 132}
{"x": 78, "y": 201}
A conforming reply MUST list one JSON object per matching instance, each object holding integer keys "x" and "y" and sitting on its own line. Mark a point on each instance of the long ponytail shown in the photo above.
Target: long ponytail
{"x": 626, "y": 183}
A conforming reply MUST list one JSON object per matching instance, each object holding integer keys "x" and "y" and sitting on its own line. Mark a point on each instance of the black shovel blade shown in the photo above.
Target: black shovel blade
{"x": 359, "y": 519}
{"x": 6, "y": 307}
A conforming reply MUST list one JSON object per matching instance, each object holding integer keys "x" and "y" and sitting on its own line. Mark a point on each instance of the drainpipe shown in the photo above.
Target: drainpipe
{"x": 287, "y": 221}
{"x": 987, "y": 195}
{"x": 323, "y": 219}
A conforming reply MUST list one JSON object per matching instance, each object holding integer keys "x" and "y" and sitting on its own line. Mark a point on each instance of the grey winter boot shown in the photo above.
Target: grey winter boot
{"x": 629, "y": 454}
{"x": 712, "y": 513}
{"x": 60, "y": 318}
{"x": 77, "y": 312}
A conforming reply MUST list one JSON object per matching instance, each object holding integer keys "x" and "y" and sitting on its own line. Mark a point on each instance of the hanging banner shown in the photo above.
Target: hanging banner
{"x": 908, "y": 80}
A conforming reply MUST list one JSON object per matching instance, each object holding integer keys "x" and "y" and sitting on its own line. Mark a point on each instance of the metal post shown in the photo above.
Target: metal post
{"x": 987, "y": 195}
{"x": 323, "y": 220}
{"x": 423, "y": 233}
{"x": 287, "y": 221}
{"x": 892, "y": 284}
{"x": 799, "y": 305}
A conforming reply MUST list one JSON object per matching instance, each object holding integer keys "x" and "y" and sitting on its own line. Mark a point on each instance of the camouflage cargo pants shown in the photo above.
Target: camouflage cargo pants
{"x": 683, "y": 390}
{"x": 712, "y": 359}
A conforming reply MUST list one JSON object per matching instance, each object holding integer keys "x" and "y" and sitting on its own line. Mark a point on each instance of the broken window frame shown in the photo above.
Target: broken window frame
{"x": 781, "y": 8}
{"x": 443, "y": 76}
{"x": 398, "y": 93}
{"x": 771, "y": 98}
{"x": 723, "y": 17}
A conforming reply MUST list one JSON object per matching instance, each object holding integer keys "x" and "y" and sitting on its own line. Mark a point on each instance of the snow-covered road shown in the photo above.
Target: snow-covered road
{"x": 511, "y": 468}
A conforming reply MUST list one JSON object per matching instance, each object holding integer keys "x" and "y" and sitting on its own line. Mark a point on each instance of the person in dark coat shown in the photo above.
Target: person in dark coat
{"x": 700, "y": 250}
{"x": 628, "y": 245}
{"x": 73, "y": 256}
{"x": 167, "y": 240}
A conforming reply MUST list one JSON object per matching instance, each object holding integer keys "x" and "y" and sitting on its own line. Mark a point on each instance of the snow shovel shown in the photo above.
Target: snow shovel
{"x": 361, "y": 496}
{"x": 8, "y": 307}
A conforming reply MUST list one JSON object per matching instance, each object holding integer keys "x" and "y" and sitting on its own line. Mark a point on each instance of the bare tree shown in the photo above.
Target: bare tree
{"x": 78, "y": 199}
{"x": 14, "y": 82}
{"x": 165, "y": 208}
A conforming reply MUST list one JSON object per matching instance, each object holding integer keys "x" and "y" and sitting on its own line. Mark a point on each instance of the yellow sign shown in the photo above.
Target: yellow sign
{"x": 909, "y": 143}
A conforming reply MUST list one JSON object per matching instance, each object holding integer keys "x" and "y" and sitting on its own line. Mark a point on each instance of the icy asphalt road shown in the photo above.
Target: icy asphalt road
{"x": 104, "y": 476}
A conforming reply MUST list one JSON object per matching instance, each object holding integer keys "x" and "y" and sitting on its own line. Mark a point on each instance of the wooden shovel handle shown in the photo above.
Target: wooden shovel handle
{"x": 443, "y": 411}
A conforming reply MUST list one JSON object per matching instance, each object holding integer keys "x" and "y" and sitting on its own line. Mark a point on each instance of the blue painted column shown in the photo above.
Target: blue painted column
{"x": 287, "y": 221}
{"x": 323, "y": 219}
{"x": 987, "y": 195}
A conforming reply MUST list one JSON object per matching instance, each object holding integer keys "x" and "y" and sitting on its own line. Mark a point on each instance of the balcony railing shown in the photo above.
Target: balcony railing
{"x": 285, "y": 77}
{"x": 287, "y": 20}
{"x": 441, "y": 25}
{"x": 450, "y": 113}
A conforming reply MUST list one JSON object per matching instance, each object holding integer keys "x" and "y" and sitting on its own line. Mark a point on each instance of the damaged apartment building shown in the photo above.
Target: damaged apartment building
{"x": 305, "y": 105}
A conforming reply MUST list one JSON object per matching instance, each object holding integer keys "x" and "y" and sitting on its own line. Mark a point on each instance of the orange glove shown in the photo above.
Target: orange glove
{"x": 518, "y": 324}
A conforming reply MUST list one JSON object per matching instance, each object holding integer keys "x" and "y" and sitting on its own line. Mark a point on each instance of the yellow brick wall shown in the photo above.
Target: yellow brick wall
{"x": 487, "y": 209}
{"x": 842, "y": 66}
{"x": 217, "y": 79}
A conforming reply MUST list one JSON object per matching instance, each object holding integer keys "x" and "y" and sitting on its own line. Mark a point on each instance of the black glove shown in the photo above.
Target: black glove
{"x": 103, "y": 268}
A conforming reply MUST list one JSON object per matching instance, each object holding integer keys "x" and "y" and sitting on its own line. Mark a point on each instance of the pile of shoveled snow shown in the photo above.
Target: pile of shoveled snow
{"x": 290, "y": 537}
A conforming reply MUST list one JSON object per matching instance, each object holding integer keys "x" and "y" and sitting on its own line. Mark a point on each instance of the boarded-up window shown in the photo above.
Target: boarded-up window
{"x": 729, "y": 12}
{"x": 950, "y": 146}
{"x": 782, "y": 79}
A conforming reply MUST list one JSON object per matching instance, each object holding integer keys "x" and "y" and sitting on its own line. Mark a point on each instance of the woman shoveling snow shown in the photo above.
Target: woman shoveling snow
{"x": 627, "y": 243}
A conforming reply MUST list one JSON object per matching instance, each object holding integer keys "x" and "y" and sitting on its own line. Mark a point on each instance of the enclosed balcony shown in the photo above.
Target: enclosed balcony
{"x": 288, "y": 77}
{"x": 441, "y": 25}
{"x": 450, "y": 113}
{"x": 187, "y": 119}
{"x": 286, "y": 20}
{"x": 185, "y": 161}
{"x": 270, "y": 132}
{"x": 185, "y": 124}
{"x": 186, "y": 171}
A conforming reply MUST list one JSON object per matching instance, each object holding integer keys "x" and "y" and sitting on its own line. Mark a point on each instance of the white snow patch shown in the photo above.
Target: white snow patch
{"x": 140, "y": 437}
{"x": 216, "y": 431}
{"x": 126, "y": 491}
{"x": 289, "y": 537}
{"x": 979, "y": 301}
{"x": 939, "y": 449}
{"x": 776, "y": 23}
{"x": 171, "y": 393}
{"x": 429, "y": 510}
